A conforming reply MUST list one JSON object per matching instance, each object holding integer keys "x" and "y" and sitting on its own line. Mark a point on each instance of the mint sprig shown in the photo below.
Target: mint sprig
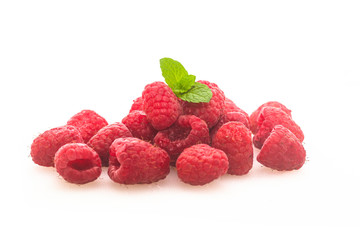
{"x": 182, "y": 83}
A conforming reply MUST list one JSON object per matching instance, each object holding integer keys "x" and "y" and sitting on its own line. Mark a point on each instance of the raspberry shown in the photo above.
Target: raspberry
{"x": 77, "y": 163}
{"x": 88, "y": 122}
{"x": 102, "y": 140}
{"x": 209, "y": 112}
{"x": 188, "y": 130}
{"x": 135, "y": 161}
{"x": 230, "y": 117}
{"x": 268, "y": 118}
{"x": 161, "y": 105}
{"x": 282, "y": 150}
{"x": 230, "y": 106}
{"x": 137, "y": 105}
{"x": 139, "y": 126}
{"x": 254, "y": 126}
{"x": 201, "y": 164}
{"x": 235, "y": 140}
{"x": 44, "y": 147}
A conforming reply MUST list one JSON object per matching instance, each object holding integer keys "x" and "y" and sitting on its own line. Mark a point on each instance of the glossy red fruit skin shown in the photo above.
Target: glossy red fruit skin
{"x": 268, "y": 118}
{"x": 282, "y": 150}
{"x": 134, "y": 161}
{"x": 77, "y": 163}
{"x": 88, "y": 122}
{"x": 254, "y": 126}
{"x": 138, "y": 124}
{"x": 188, "y": 130}
{"x": 161, "y": 105}
{"x": 201, "y": 164}
{"x": 209, "y": 112}
{"x": 44, "y": 146}
{"x": 102, "y": 140}
{"x": 137, "y": 105}
{"x": 235, "y": 140}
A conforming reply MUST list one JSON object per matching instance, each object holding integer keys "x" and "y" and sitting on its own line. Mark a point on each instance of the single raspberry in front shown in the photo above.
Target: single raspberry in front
{"x": 102, "y": 140}
{"x": 254, "y": 126}
{"x": 161, "y": 105}
{"x": 139, "y": 126}
{"x": 201, "y": 164}
{"x": 44, "y": 147}
{"x": 268, "y": 118}
{"x": 209, "y": 112}
{"x": 78, "y": 163}
{"x": 282, "y": 150}
{"x": 134, "y": 161}
{"x": 88, "y": 122}
{"x": 188, "y": 130}
{"x": 235, "y": 140}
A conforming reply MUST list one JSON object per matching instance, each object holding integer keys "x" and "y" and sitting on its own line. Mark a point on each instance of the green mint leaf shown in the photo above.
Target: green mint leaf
{"x": 198, "y": 93}
{"x": 173, "y": 72}
{"x": 186, "y": 83}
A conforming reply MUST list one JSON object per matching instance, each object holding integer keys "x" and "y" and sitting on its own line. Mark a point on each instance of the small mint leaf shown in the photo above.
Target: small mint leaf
{"x": 173, "y": 72}
{"x": 186, "y": 83}
{"x": 198, "y": 93}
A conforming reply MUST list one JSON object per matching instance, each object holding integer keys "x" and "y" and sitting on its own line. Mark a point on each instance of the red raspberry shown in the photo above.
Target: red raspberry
{"x": 235, "y": 140}
{"x": 188, "y": 130}
{"x": 102, "y": 140}
{"x": 77, "y": 163}
{"x": 201, "y": 164}
{"x": 88, "y": 122}
{"x": 161, "y": 105}
{"x": 282, "y": 150}
{"x": 230, "y": 117}
{"x": 44, "y": 147}
{"x": 268, "y": 118}
{"x": 209, "y": 112}
{"x": 137, "y": 105}
{"x": 135, "y": 161}
{"x": 139, "y": 126}
{"x": 254, "y": 126}
{"x": 230, "y": 106}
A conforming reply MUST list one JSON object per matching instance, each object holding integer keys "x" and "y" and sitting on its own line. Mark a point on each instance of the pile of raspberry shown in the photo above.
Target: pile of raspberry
{"x": 203, "y": 141}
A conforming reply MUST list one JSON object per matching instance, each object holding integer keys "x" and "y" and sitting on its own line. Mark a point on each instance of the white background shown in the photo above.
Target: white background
{"x": 59, "y": 57}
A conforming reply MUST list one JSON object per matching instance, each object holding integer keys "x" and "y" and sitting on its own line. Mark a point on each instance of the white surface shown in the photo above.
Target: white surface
{"x": 59, "y": 58}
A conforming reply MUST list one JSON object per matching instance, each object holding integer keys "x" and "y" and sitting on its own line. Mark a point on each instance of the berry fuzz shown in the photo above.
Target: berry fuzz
{"x": 44, "y": 147}
{"x": 201, "y": 164}
{"x": 282, "y": 150}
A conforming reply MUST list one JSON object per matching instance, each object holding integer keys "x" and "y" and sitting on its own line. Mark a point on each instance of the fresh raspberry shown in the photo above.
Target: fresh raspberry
{"x": 282, "y": 150}
{"x": 135, "y": 161}
{"x": 254, "y": 126}
{"x": 268, "y": 118}
{"x": 201, "y": 164}
{"x": 235, "y": 140}
{"x": 77, "y": 163}
{"x": 230, "y": 117}
{"x": 230, "y": 106}
{"x": 88, "y": 122}
{"x": 102, "y": 140}
{"x": 209, "y": 112}
{"x": 139, "y": 126}
{"x": 161, "y": 105}
{"x": 137, "y": 105}
{"x": 44, "y": 147}
{"x": 188, "y": 130}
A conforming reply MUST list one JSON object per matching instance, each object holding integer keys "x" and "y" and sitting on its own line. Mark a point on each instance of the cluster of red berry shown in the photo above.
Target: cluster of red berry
{"x": 203, "y": 140}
